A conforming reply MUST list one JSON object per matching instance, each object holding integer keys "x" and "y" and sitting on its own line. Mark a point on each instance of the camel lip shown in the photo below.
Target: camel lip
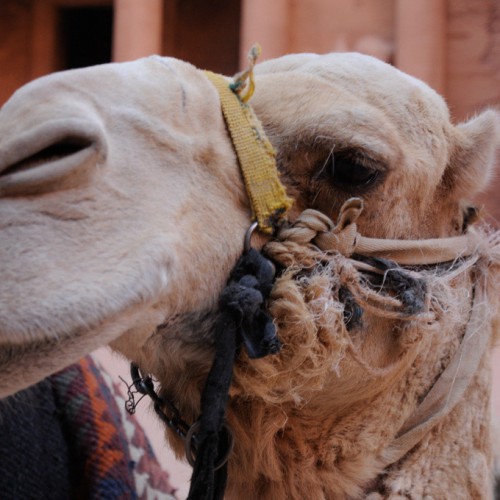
{"x": 15, "y": 337}
{"x": 48, "y": 155}
{"x": 45, "y": 353}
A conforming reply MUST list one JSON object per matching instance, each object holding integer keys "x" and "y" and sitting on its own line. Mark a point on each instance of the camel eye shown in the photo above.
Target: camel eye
{"x": 348, "y": 172}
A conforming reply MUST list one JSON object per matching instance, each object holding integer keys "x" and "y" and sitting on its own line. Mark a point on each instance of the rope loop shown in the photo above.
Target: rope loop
{"x": 316, "y": 228}
{"x": 243, "y": 82}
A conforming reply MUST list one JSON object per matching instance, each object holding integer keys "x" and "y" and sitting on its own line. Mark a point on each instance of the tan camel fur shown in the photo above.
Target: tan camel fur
{"x": 122, "y": 212}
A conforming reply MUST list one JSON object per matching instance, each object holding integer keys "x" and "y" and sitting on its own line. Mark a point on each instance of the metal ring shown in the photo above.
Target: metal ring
{"x": 138, "y": 380}
{"x": 248, "y": 236}
{"x": 190, "y": 445}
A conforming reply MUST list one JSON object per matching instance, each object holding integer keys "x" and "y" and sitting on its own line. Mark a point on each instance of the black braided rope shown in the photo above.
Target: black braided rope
{"x": 243, "y": 320}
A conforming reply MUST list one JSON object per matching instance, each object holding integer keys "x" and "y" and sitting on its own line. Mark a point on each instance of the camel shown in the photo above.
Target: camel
{"x": 123, "y": 212}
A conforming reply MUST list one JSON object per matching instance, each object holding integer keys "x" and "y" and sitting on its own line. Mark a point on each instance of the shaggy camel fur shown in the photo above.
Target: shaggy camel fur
{"x": 123, "y": 212}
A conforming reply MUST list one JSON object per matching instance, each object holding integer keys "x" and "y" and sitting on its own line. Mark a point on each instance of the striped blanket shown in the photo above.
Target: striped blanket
{"x": 66, "y": 438}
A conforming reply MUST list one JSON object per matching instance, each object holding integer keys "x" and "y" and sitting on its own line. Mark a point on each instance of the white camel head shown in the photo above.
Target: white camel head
{"x": 121, "y": 201}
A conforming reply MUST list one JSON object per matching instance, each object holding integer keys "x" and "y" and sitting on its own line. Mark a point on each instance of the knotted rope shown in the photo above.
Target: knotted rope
{"x": 242, "y": 320}
{"x": 314, "y": 227}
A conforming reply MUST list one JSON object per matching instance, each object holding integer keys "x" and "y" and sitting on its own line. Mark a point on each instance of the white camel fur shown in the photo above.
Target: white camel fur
{"x": 122, "y": 213}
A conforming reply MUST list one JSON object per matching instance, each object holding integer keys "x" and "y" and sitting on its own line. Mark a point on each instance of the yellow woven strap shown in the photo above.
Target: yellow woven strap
{"x": 256, "y": 157}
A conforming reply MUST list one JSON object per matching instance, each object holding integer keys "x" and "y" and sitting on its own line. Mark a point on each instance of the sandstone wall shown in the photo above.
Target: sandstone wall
{"x": 473, "y": 70}
{"x": 15, "y": 46}
{"x": 215, "y": 36}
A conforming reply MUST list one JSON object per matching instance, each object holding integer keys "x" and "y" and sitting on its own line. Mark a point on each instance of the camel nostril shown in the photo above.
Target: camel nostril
{"x": 54, "y": 155}
{"x": 61, "y": 149}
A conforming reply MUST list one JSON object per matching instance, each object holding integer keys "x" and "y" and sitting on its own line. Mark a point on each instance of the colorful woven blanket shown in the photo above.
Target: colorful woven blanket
{"x": 66, "y": 438}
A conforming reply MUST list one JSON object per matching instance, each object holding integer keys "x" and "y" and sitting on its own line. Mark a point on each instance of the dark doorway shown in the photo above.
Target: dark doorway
{"x": 85, "y": 36}
{"x": 206, "y": 34}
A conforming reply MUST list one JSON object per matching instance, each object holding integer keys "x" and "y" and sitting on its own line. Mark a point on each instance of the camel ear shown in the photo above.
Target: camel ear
{"x": 472, "y": 161}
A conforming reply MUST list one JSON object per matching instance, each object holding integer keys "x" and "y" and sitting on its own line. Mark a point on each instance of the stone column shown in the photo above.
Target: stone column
{"x": 421, "y": 40}
{"x": 44, "y": 54}
{"x": 265, "y": 22}
{"x": 137, "y": 29}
